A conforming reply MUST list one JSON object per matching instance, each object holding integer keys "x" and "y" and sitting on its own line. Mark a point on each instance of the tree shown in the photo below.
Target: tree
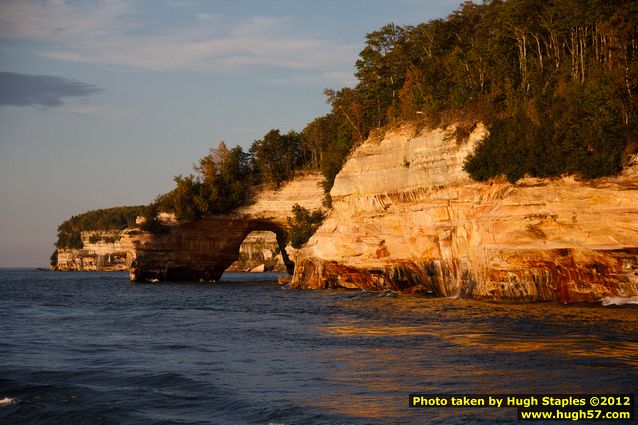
{"x": 277, "y": 155}
{"x": 303, "y": 224}
{"x": 222, "y": 182}
{"x": 381, "y": 70}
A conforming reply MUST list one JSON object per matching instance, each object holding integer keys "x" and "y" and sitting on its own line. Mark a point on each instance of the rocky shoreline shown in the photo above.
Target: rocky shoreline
{"x": 406, "y": 217}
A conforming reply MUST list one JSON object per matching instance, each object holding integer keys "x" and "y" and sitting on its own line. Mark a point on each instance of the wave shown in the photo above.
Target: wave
{"x": 619, "y": 301}
{"x": 7, "y": 401}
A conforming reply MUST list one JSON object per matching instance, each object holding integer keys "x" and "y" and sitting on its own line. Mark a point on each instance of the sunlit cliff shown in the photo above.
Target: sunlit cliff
{"x": 407, "y": 217}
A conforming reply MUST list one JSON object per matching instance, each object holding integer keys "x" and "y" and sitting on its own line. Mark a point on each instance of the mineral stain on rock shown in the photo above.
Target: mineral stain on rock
{"x": 430, "y": 228}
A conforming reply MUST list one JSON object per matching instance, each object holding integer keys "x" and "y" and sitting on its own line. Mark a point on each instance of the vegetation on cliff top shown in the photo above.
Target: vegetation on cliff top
{"x": 222, "y": 182}
{"x": 555, "y": 81}
{"x": 117, "y": 218}
{"x": 225, "y": 178}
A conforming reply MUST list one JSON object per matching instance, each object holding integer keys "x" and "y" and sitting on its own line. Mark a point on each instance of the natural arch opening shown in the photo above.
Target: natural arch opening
{"x": 259, "y": 252}
{"x": 263, "y": 249}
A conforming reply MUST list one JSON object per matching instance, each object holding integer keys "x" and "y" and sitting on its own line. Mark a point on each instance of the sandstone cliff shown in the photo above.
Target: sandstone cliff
{"x": 259, "y": 249}
{"x": 102, "y": 251}
{"x": 406, "y": 217}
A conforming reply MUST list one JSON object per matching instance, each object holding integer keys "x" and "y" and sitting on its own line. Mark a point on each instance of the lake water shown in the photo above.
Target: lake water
{"x": 92, "y": 348}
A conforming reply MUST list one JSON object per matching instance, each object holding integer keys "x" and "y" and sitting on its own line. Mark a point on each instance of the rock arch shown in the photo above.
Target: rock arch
{"x": 201, "y": 250}
{"x": 259, "y": 251}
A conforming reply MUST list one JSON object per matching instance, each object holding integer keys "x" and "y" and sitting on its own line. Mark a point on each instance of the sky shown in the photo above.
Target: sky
{"x": 103, "y": 102}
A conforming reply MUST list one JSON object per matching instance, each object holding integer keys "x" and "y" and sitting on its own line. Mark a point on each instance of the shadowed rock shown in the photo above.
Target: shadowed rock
{"x": 201, "y": 250}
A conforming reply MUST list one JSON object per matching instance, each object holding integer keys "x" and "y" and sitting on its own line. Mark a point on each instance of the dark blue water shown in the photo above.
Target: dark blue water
{"x": 92, "y": 348}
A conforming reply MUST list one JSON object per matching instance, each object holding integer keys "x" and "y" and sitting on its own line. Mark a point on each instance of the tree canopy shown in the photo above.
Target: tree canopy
{"x": 222, "y": 182}
{"x": 555, "y": 81}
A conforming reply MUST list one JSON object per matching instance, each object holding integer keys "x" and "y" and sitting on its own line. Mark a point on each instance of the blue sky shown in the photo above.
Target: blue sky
{"x": 103, "y": 102}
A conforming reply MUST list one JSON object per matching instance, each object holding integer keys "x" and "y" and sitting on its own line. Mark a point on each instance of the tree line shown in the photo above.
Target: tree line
{"x": 555, "y": 81}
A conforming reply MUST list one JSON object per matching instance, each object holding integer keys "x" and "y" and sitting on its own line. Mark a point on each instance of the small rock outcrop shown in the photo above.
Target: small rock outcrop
{"x": 406, "y": 217}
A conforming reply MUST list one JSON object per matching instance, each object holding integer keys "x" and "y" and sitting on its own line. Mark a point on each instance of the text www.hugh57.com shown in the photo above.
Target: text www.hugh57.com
{"x": 573, "y": 415}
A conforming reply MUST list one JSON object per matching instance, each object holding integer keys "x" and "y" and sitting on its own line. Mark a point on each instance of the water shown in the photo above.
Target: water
{"x": 91, "y": 348}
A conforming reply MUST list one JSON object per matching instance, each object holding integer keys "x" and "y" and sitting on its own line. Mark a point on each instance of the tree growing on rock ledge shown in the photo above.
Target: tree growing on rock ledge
{"x": 302, "y": 225}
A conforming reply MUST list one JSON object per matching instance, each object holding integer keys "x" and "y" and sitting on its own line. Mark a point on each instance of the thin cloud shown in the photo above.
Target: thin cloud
{"x": 206, "y": 17}
{"x": 59, "y": 22}
{"x": 111, "y": 33}
{"x": 40, "y": 90}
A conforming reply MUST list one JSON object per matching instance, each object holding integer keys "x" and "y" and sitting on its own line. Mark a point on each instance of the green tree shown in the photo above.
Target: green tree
{"x": 222, "y": 182}
{"x": 277, "y": 155}
{"x": 302, "y": 225}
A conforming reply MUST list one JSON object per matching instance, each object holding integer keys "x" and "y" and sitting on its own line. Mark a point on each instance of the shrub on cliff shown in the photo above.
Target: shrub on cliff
{"x": 302, "y": 225}
{"x": 70, "y": 239}
{"x": 154, "y": 226}
{"x": 151, "y": 223}
{"x": 576, "y": 130}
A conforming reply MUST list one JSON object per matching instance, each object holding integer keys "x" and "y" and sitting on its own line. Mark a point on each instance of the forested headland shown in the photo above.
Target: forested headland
{"x": 555, "y": 83}
{"x": 117, "y": 218}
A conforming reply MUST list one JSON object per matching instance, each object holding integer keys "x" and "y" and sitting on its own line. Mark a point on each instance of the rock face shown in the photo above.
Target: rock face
{"x": 102, "y": 251}
{"x": 258, "y": 249}
{"x": 406, "y": 217}
{"x": 203, "y": 249}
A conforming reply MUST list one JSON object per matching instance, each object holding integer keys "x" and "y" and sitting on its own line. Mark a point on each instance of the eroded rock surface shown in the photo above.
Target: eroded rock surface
{"x": 201, "y": 250}
{"x": 406, "y": 217}
{"x": 101, "y": 251}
